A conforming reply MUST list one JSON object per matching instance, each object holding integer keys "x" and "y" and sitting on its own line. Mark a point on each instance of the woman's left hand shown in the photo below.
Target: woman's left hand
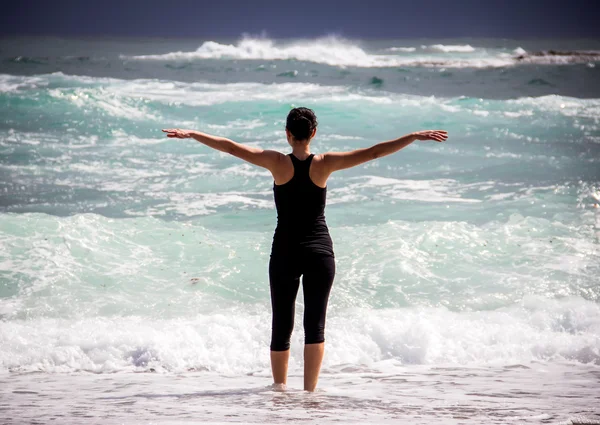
{"x": 178, "y": 133}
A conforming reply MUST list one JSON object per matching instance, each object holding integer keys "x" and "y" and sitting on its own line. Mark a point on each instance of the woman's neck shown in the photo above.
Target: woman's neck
{"x": 301, "y": 150}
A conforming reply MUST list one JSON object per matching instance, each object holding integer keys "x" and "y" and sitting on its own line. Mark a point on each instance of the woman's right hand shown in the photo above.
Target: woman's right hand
{"x": 178, "y": 133}
{"x": 437, "y": 135}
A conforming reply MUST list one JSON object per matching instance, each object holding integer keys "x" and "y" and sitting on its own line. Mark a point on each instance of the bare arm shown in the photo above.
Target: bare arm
{"x": 264, "y": 158}
{"x": 334, "y": 161}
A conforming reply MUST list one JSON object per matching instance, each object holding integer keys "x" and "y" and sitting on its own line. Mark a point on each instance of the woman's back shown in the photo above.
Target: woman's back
{"x": 300, "y": 207}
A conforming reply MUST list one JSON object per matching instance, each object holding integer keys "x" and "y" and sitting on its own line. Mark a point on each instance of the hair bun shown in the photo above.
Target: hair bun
{"x": 301, "y": 122}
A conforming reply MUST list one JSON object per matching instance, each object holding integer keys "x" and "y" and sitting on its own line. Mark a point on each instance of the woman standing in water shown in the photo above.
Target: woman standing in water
{"x": 301, "y": 245}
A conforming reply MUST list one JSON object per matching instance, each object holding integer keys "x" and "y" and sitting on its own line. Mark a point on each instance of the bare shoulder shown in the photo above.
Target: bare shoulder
{"x": 275, "y": 157}
{"x": 318, "y": 162}
{"x": 318, "y": 158}
{"x": 283, "y": 169}
{"x": 318, "y": 171}
{"x": 266, "y": 158}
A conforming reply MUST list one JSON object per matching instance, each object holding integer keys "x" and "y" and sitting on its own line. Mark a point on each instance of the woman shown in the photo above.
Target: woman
{"x": 301, "y": 245}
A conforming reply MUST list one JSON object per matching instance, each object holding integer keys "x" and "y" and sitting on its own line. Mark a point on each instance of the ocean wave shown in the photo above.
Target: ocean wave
{"x": 329, "y": 51}
{"x": 44, "y": 60}
{"x": 332, "y": 51}
{"x": 108, "y": 92}
{"x": 466, "y": 48}
{"x": 339, "y": 52}
{"x": 437, "y": 48}
{"x": 29, "y": 60}
{"x": 555, "y": 57}
{"x": 566, "y": 106}
{"x": 335, "y": 51}
{"x": 13, "y": 83}
{"x": 142, "y": 265}
{"x": 236, "y": 340}
{"x": 401, "y": 49}
{"x": 374, "y": 187}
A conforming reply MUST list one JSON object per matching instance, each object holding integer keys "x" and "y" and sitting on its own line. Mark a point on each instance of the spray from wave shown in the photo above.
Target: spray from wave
{"x": 331, "y": 50}
{"x": 450, "y": 48}
{"x": 340, "y": 52}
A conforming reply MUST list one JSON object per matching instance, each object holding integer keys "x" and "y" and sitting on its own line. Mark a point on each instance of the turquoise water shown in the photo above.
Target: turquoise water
{"x": 122, "y": 250}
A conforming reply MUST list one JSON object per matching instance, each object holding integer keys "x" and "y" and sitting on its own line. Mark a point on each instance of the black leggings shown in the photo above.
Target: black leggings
{"x": 285, "y": 270}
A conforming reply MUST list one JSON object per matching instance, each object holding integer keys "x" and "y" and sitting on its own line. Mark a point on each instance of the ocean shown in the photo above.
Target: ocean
{"x": 133, "y": 268}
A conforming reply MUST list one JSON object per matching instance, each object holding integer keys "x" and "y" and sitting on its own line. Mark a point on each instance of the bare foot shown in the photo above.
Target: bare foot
{"x": 279, "y": 387}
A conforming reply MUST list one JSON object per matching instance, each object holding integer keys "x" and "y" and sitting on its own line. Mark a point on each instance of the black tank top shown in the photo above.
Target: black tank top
{"x": 301, "y": 226}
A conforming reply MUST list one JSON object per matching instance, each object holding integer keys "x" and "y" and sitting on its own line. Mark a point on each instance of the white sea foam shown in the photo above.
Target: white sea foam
{"x": 111, "y": 103}
{"x": 238, "y": 124}
{"x": 503, "y": 155}
{"x": 127, "y": 98}
{"x": 401, "y": 49}
{"x": 333, "y": 51}
{"x": 457, "y": 48}
{"x": 568, "y": 106}
{"x": 204, "y": 94}
{"x": 194, "y": 204}
{"x": 14, "y": 83}
{"x": 374, "y": 187}
{"x": 336, "y": 51}
{"x": 105, "y": 295}
{"x": 236, "y": 341}
{"x": 124, "y": 98}
{"x": 519, "y": 51}
{"x": 517, "y": 114}
{"x": 338, "y": 137}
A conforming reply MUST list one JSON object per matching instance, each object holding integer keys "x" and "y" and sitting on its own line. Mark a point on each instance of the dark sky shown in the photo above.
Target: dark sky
{"x": 303, "y": 18}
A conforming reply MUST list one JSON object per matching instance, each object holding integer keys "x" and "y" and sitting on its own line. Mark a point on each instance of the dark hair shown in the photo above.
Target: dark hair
{"x": 301, "y": 122}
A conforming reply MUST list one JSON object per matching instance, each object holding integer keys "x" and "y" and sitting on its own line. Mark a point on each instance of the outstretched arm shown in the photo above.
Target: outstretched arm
{"x": 334, "y": 161}
{"x": 264, "y": 158}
